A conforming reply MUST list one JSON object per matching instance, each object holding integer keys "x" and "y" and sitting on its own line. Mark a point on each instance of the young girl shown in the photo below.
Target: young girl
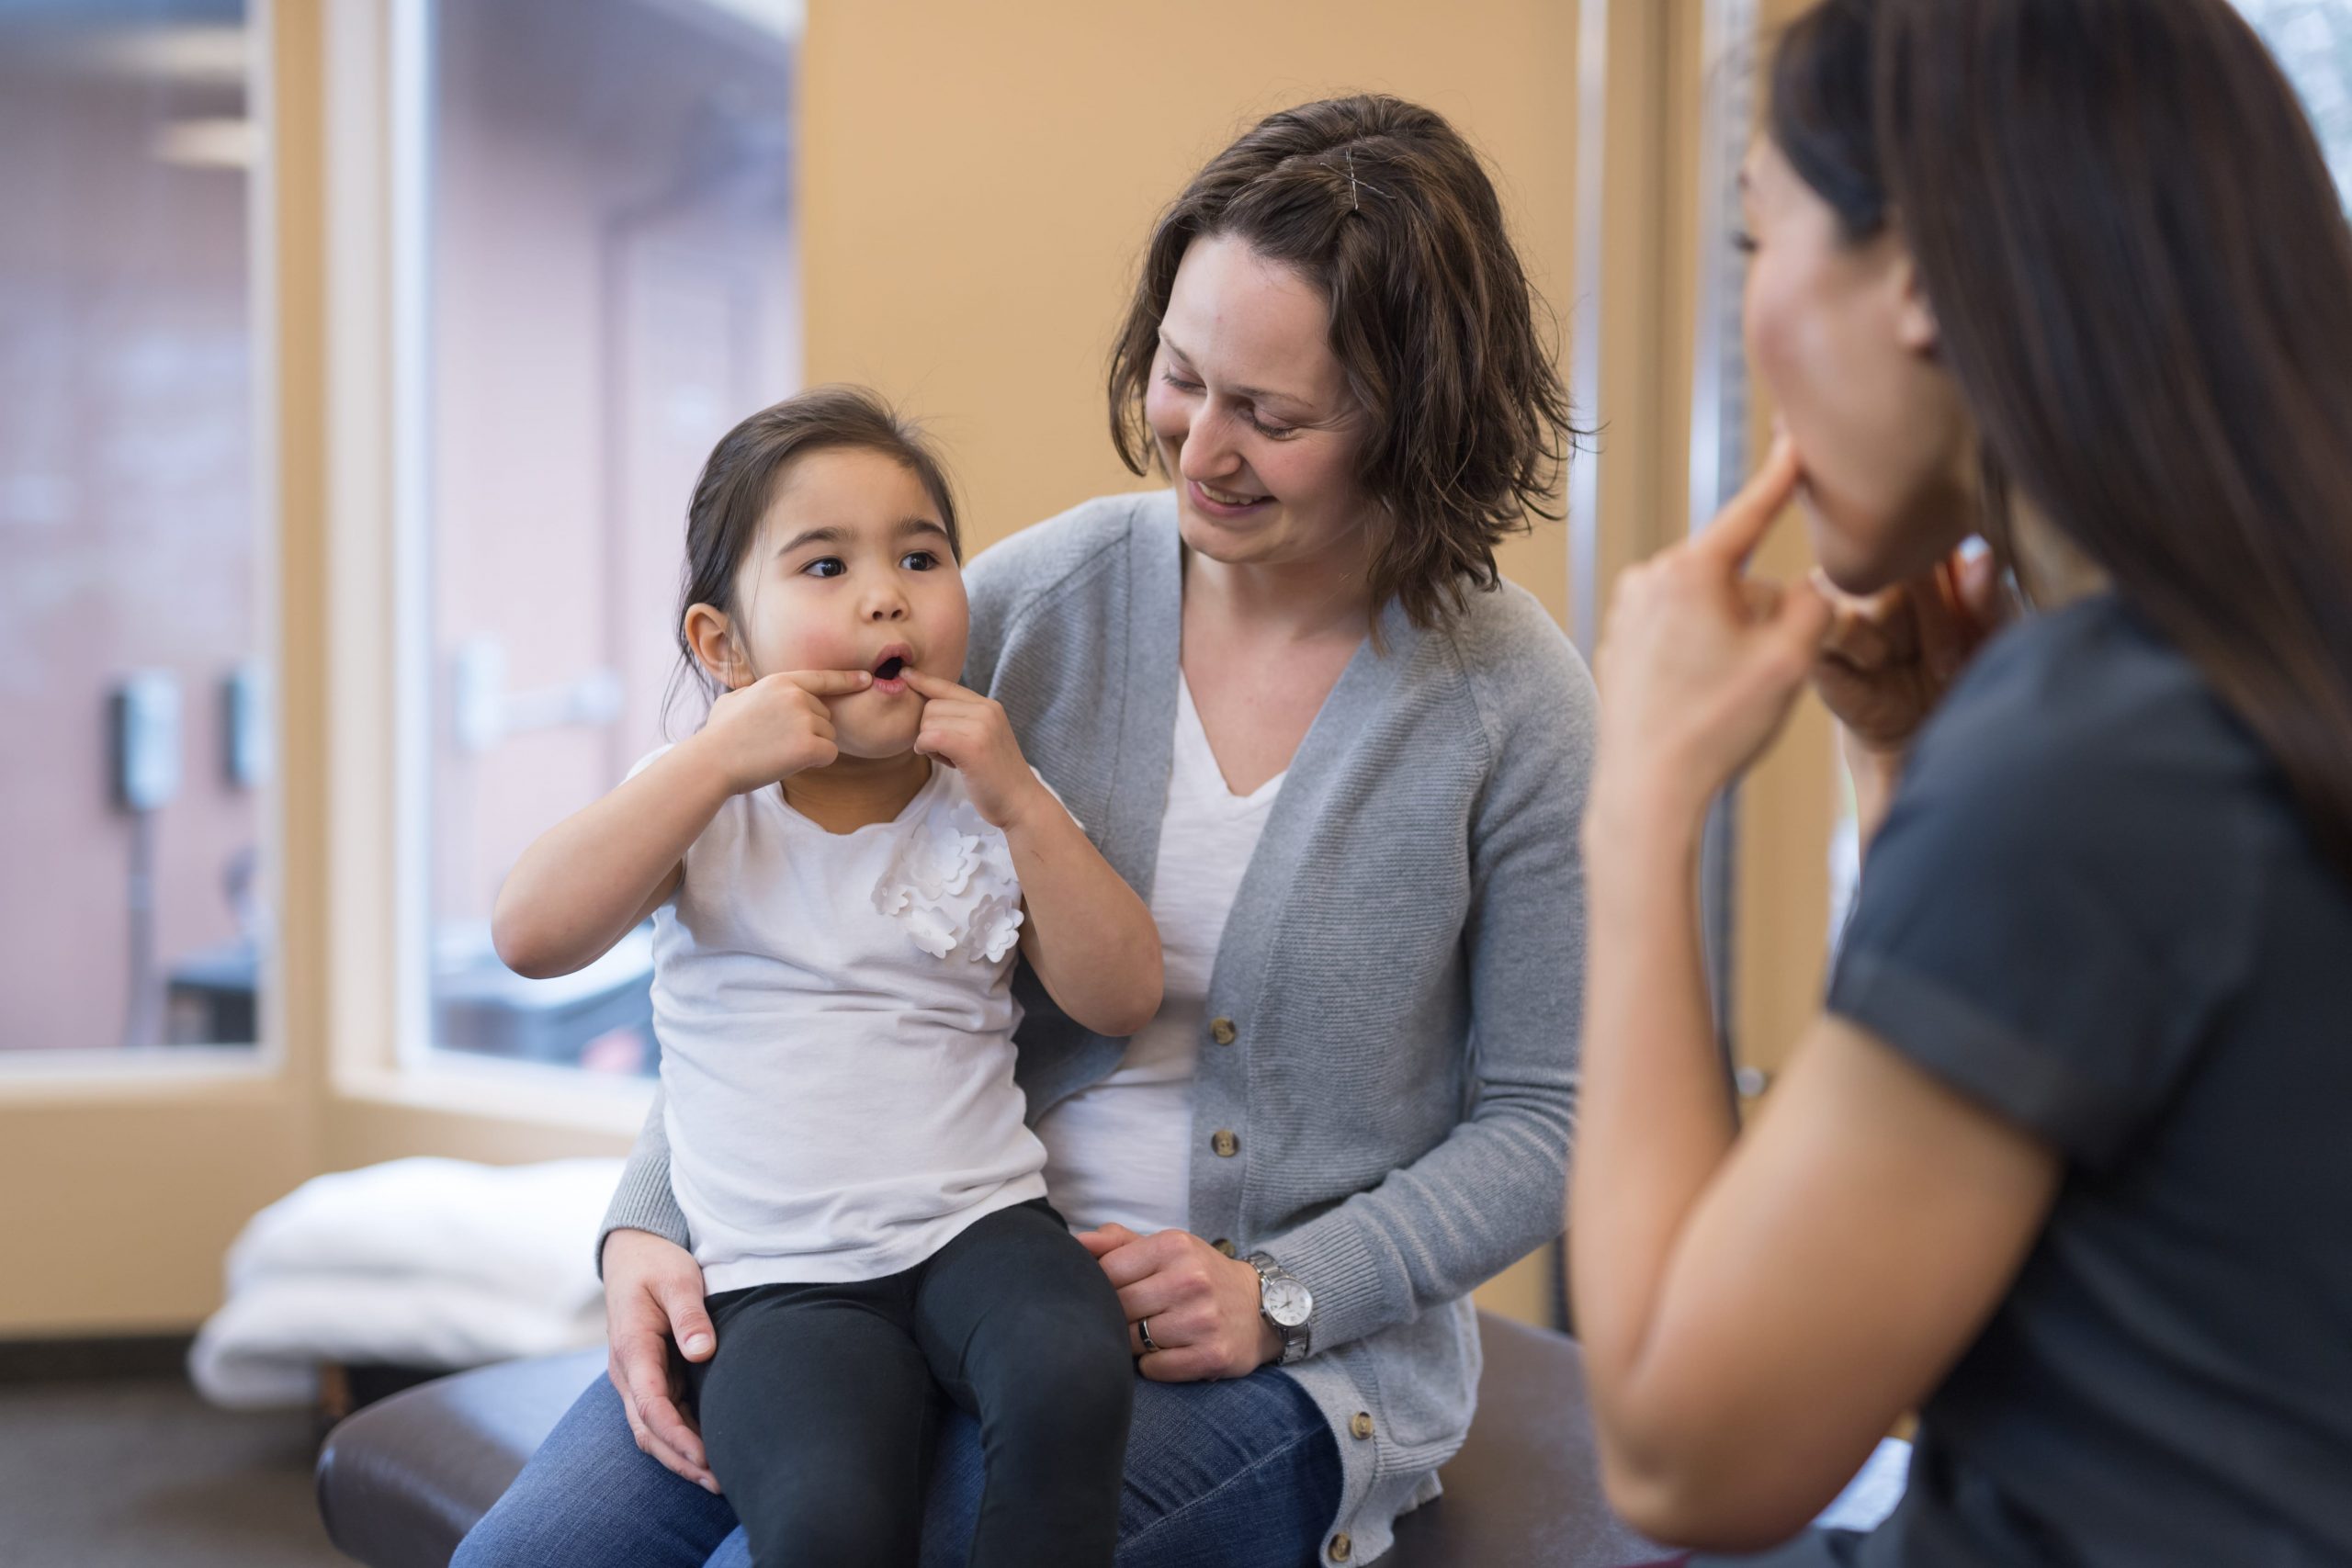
{"x": 839, "y": 865}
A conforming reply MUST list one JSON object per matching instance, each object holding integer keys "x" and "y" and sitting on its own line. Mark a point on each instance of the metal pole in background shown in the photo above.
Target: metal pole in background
{"x": 1584, "y": 396}
{"x": 1719, "y": 398}
{"x": 1584, "y": 351}
{"x": 1719, "y": 424}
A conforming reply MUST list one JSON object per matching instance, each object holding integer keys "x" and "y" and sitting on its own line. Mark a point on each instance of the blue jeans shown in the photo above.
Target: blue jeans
{"x": 1238, "y": 1474}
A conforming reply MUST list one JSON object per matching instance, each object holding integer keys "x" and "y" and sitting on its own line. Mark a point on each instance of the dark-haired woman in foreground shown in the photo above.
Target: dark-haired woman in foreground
{"x": 2063, "y": 1163}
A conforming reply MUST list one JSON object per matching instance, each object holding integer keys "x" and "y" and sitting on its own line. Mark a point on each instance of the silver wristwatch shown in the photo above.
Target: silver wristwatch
{"x": 1284, "y": 1301}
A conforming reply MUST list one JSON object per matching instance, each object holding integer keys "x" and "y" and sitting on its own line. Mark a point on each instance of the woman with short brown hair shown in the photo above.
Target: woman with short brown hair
{"x": 1295, "y": 706}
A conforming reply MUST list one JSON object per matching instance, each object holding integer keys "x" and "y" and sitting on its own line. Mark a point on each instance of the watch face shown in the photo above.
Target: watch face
{"x": 1286, "y": 1302}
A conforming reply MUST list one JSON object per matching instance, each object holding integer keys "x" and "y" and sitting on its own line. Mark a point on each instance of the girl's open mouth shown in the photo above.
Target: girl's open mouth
{"x": 889, "y": 675}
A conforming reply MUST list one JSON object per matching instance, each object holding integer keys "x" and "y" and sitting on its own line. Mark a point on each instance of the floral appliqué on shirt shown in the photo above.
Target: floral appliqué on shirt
{"x": 952, "y": 883}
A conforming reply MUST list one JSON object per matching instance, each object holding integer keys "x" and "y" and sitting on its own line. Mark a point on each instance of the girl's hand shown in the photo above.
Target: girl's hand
{"x": 1202, "y": 1306}
{"x": 1701, "y": 662}
{"x": 970, "y": 734}
{"x": 777, "y": 726}
{"x": 653, "y": 1295}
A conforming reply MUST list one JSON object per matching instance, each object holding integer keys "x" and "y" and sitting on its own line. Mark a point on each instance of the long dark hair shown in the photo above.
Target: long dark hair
{"x": 2143, "y": 281}
{"x": 1387, "y": 211}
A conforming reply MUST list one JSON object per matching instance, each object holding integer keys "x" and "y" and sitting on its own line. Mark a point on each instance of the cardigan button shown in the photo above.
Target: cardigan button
{"x": 1226, "y": 1144}
{"x": 1221, "y": 1029}
{"x": 1341, "y": 1548}
{"x": 1225, "y": 1247}
{"x": 1360, "y": 1423}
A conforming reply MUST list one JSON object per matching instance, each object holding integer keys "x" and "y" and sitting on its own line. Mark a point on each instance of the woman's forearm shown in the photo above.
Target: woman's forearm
{"x": 1875, "y": 771}
{"x": 1089, "y": 937}
{"x": 1657, "y": 1118}
{"x": 643, "y": 1201}
{"x": 585, "y": 881}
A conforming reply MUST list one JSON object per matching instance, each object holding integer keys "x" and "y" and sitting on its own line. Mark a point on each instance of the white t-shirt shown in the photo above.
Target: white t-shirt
{"x": 1121, "y": 1149}
{"x": 836, "y": 1016}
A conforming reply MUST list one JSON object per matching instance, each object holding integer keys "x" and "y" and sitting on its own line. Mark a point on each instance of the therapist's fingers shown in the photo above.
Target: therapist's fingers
{"x": 1800, "y": 619}
{"x": 1744, "y": 519}
{"x": 1867, "y": 631}
{"x": 1978, "y": 581}
{"x": 1943, "y": 641}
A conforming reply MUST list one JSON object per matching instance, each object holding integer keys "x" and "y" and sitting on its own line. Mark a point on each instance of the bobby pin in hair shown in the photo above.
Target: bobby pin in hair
{"x": 1354, "y": 204}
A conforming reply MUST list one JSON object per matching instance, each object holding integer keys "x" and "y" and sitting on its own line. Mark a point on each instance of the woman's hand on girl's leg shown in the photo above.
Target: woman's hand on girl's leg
{"x": 652, "y": 1296}
{"x": 1202, "y": 1306}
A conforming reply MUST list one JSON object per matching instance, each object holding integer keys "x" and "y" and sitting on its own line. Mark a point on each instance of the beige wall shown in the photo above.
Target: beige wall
{"x": 980, "y": 180}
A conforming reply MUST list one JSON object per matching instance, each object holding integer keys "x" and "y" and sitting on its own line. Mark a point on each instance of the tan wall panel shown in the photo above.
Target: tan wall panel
{"x": 361, "y": 1132}
{"x": 121, "y": 1208}
{"x": 980, "y": 180}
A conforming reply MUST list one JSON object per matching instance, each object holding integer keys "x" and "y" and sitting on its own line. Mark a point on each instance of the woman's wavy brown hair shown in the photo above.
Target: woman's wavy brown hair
{"x": 1387, "y": 210}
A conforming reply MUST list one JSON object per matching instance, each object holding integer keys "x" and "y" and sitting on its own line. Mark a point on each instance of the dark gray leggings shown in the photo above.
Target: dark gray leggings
{"x": 820, "y": 1406}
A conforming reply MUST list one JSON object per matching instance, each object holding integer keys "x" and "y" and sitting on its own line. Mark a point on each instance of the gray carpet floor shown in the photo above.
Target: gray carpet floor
{"x": 140, "y": 1474}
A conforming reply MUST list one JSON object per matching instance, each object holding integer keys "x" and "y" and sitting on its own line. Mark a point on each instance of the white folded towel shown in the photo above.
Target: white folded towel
{"x": 419, "y": 1263}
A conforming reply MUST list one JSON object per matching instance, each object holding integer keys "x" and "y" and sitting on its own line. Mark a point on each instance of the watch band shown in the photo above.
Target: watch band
{"x": 1296, "y": 1338}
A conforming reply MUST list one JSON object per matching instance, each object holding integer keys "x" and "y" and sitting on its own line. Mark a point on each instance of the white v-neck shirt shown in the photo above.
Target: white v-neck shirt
{"x": 1121, "y": 1149}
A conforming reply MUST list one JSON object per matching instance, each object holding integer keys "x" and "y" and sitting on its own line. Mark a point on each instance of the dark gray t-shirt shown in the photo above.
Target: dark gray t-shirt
{"x": 2095, "y": 909}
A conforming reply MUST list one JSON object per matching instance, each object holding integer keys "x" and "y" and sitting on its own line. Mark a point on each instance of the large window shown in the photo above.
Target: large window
{"x": 605, "y": 244}
{"x": 2313, "y": 38}
{"x": 135, "y": 728}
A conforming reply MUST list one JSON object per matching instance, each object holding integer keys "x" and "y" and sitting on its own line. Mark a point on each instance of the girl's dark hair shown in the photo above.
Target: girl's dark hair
{"x": 1387, "y": 210}
{"x": 2143, "y": 281}
{"x": 740, "y": 478}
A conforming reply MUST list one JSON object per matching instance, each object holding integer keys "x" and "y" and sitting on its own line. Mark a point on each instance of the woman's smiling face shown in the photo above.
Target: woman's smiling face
{"x": 1253, "y": 415}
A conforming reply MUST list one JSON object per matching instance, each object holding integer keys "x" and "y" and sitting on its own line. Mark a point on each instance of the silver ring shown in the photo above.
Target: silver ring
{"x": 1143, "y": 1331}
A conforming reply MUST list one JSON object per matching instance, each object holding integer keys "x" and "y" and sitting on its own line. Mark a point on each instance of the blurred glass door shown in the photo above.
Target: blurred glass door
{"x": 135, "y": 721}
{"x": 607, "y": 244}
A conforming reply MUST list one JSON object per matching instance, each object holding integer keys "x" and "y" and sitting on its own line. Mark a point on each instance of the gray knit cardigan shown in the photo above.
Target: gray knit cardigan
{"x": 1401, "y": 967}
